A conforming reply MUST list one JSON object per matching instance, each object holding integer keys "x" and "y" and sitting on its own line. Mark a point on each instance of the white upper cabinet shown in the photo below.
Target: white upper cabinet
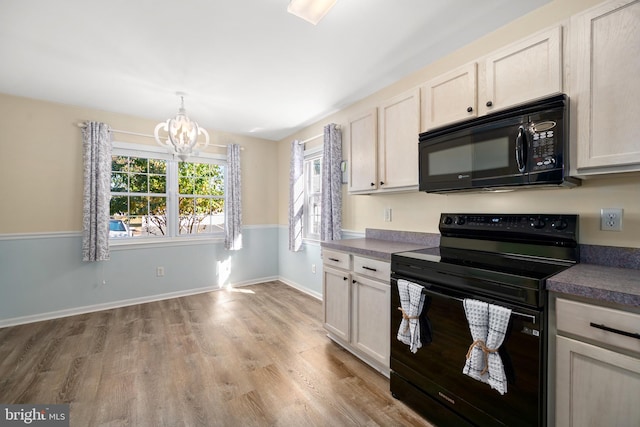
{"x": 383, "y": 146}
{"x": 528, "y": 69}
{"x": 363, "y": 159}
{"x": 605, "y": 87}
{"x": 525, "y": 70}
{"x": 450, "y": 97}
{"x": 399, "y": 127}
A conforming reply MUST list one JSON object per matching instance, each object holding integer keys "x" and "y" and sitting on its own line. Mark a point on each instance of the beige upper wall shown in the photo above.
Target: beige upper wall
{"x": 421, "y": 211}
{"x": 41, "y": 165}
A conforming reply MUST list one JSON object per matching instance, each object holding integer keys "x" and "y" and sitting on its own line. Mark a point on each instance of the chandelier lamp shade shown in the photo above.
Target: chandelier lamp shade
{"x": 310, "y": 10}
{"x": 182, "y": 134}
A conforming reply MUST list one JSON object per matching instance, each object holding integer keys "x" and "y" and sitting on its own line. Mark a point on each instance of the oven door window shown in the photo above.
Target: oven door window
{"x": 437, "y": 367}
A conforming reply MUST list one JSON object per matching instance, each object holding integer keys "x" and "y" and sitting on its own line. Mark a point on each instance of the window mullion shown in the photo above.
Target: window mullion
{"x": 172, "y": 198}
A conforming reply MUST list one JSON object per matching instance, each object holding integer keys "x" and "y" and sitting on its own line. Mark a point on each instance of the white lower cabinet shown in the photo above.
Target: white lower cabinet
{"x": 336, "y": 293}
{"x": 371, "y": 305}
{"x": 597, "y": 366}
{"x": 356, "y": 306}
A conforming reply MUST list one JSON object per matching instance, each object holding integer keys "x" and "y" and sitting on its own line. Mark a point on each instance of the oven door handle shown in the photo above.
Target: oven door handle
{"x": 426, "y": 290}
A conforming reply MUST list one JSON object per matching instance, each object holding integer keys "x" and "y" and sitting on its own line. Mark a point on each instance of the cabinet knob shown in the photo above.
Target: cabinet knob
{"x": 381, "y": 182}
{"x": 344, "y": 278}
{"x": 355, "y": 281}
{"x": 373, "y": 184}
{"x": 469, "y": 109}
{"x": 489, "y": 103}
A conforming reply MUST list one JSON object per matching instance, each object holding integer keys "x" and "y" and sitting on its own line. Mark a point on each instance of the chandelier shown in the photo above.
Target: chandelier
{"x": 182, "y": 134}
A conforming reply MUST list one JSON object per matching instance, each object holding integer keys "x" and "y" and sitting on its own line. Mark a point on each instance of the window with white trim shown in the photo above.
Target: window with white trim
{"x": 312, "y": 194}
{"x": 155, "y": 196}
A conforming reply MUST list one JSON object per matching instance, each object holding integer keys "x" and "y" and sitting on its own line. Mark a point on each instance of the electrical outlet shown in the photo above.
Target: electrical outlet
{"x": 611, "y": 219}
{"x": 313, "y": 268}
{"x": 160, "y": 271}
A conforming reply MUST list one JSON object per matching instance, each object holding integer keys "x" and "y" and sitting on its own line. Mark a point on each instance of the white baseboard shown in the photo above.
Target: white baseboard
{"x": 122, "y": 303}
{"x": 301, "y": 288}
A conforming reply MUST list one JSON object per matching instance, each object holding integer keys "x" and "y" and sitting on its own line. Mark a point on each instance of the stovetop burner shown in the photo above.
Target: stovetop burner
{"x": 511, "y": 256}
{"x": 509, "y": 265}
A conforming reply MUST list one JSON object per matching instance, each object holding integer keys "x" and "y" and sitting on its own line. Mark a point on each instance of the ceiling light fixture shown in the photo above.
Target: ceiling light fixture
{"x": 182, "y": 134}
{"x": 310, "y": 10}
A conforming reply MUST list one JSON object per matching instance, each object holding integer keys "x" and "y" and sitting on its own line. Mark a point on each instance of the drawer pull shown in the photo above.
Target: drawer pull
{"x": 334, "y": 259}
{"x": 615, "y": 331}
{"x": 369, "y": 268}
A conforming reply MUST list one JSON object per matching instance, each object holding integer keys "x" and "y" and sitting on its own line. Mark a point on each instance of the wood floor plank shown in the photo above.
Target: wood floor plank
{"x": 252, "y": 356}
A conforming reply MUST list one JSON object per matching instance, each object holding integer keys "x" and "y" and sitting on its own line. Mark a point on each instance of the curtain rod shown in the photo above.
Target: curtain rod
{"x": 126, "y": 132}
{"x": 312, "y": 138}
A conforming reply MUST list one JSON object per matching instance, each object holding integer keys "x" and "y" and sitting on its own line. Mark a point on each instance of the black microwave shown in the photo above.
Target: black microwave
{"x": 527, "y": 145}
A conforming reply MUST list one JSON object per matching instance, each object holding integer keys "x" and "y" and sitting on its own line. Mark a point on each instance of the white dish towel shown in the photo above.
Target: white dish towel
{"x": 411, "y": 303}
{"x": 488, "y": 325}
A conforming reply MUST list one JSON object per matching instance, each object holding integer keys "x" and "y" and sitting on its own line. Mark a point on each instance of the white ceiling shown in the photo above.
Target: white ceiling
{"x": 247, "y": 66}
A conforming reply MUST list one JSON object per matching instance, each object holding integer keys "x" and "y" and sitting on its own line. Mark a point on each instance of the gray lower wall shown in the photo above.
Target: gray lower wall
{"x": 42, "y": 276}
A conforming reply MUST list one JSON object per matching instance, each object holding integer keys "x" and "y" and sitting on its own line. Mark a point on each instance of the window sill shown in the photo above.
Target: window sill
{"x": 163, "y": 242}
{"x": 310, "y": 242}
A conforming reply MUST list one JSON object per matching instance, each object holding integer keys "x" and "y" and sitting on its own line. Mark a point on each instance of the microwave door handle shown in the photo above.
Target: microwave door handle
{"x": 521, "y": 140}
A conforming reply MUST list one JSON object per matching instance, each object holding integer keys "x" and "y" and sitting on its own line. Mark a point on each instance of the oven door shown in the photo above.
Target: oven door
{"x": 436, "y": 368}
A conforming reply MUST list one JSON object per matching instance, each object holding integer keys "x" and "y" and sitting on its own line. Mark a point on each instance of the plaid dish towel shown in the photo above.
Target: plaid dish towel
{"x": 411, "y": 303}
{"x": 488, "y": 325}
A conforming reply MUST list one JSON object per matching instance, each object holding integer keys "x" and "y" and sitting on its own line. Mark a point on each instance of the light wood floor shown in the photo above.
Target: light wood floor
{"x": 253, "y": 356}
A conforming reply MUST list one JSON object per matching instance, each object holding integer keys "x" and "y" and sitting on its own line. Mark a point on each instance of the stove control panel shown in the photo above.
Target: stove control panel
{"x": 530, "y": 224}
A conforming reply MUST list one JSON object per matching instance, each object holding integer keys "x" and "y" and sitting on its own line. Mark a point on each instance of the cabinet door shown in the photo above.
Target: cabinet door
{"x": 595, "y": 386}
{"x": 336, "y": 301}
{"x": 450, "y": 97}
{"x": 363, "y": 142}
{"x": 523, "y": 71}
{"x": 371, "y": 318}
{"x": 605, "y": 69}
{"x": 398, "y": 141}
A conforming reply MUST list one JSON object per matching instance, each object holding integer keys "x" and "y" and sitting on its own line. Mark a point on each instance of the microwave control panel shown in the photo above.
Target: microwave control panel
{"x": 543, "y": 140}
{"x": 543, "y": 149}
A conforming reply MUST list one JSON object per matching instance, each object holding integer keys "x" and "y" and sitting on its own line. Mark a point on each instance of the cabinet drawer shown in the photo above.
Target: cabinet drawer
{"x": 336, "y": 259}
{"x": 602, "y": 324}
{"x": 372, "y": 267}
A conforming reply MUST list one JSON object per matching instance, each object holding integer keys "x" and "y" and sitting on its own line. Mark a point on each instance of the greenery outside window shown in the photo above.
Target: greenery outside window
{"x": 155, "y": 196}
{"x": 201, "y": 198}
{"x": 138, "y": 196}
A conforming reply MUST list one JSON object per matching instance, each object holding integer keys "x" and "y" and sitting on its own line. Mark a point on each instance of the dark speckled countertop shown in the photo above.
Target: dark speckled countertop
{"x": 373, "y": 248}
{"x": 380, "y": 244}
{"x": 598, "y": 282}
{"x": 605, "y": 273}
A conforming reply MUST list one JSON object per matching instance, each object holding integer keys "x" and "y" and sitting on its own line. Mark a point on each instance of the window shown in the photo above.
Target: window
{"x": 201, "y": 198}
{"x": 312, "y": 194}
{"x": 153, "y": 195}
{"x": 139, "y": 195}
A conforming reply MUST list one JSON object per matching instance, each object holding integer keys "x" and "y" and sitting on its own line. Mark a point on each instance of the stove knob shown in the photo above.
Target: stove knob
{"x": 559, "y": 224}
{"x": 447, "y": 220}
{"x": 460, "y": 220}
{"x": 538, "y": 223}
